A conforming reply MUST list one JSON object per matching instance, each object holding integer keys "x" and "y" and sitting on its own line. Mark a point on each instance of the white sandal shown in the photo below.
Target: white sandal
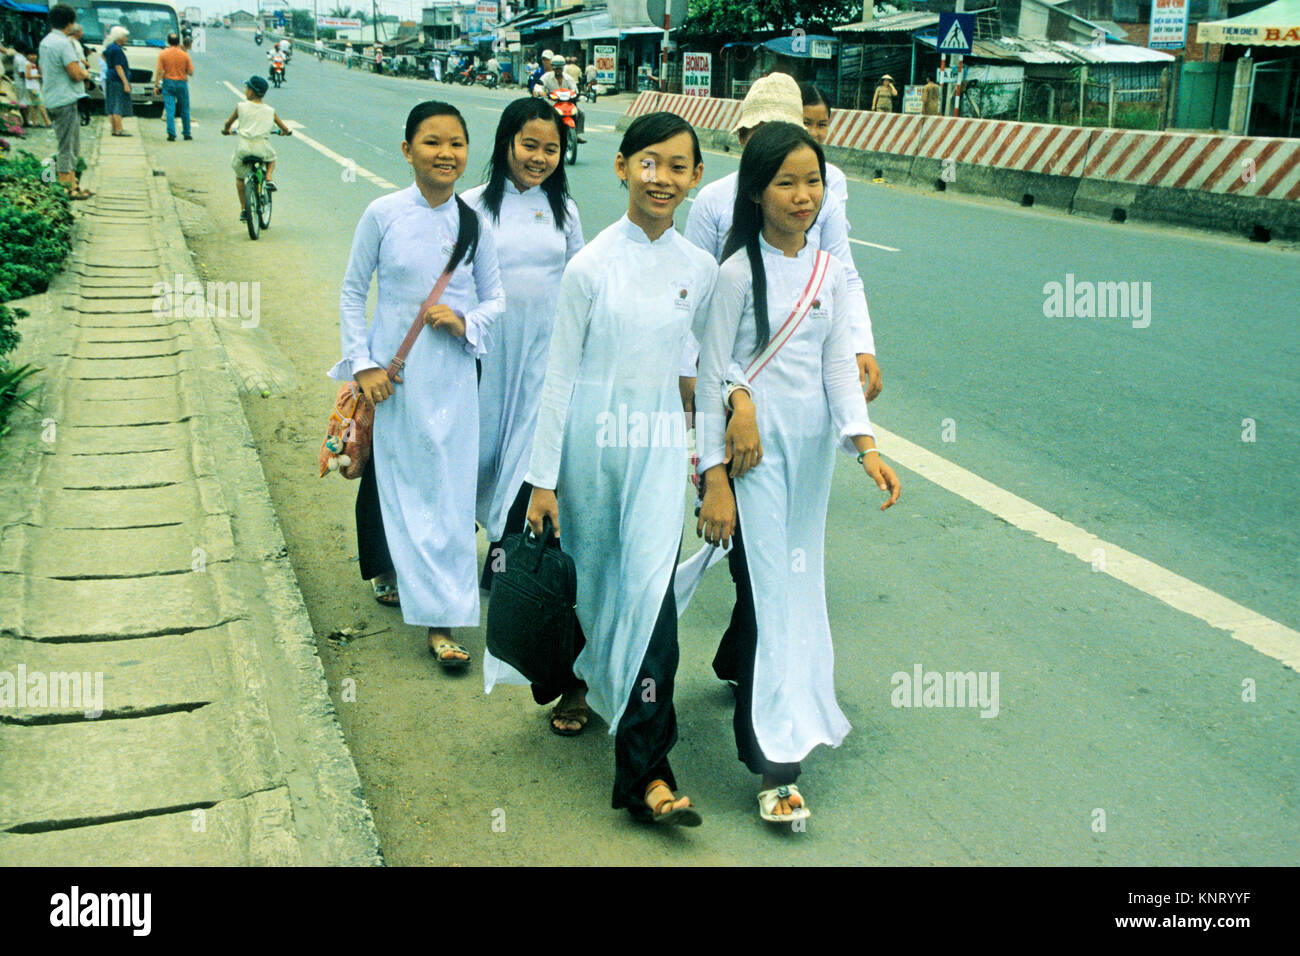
{"x": 767, "y": 800}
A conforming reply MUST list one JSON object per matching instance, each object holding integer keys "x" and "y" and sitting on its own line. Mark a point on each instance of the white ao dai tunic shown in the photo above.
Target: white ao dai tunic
{"x": 611, "y": 439}
{"x": 425, "y": 443}
{"x": 807, "y": 397}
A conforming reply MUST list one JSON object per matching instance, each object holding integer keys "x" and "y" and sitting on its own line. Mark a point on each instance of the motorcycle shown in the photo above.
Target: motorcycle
{"x": 590, "y": 91}
{"x": 465, "y": 77}
{"x": 257, "y": 38}
{"x": 566, "y": 104}
{"x": 277, "y": 74}
{"x": 485, "y": 78}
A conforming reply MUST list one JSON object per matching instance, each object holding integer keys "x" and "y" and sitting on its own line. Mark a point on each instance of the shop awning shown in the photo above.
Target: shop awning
{"x": 1275, "y": 24}
{"x": 24, "y": 7}
{"x": 786, "y": 45}
{"x": 635, "y": 31}
{"x": 593, "y": 26}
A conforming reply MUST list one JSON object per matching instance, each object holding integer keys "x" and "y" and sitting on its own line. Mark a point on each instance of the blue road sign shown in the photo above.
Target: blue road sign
{"x": 956, "y": 32}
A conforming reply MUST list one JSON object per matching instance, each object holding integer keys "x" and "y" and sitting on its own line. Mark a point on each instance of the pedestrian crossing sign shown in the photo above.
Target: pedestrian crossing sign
{"x": 956, "y": 32}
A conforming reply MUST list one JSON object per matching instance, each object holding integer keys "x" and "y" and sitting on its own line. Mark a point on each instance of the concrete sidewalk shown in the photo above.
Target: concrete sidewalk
{"x": 139, "y": 548}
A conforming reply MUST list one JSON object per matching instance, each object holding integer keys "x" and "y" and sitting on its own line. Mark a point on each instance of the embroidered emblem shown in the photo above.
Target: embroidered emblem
{"x": 817, "y": 303}
{"x": 681, "y": 294}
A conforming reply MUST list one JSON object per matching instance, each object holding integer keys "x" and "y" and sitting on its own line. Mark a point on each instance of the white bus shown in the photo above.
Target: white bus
{"x": 149, "y": 22}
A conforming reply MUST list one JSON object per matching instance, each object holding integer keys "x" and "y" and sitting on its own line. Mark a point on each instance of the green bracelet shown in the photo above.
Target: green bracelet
{"x": 864, "y": 454}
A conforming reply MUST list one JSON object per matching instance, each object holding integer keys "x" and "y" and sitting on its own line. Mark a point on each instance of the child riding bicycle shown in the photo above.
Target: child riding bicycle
{"x": 256, "y": 120}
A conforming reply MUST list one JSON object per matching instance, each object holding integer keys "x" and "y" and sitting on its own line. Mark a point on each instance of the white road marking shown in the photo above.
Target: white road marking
{"x": 324, "y": 150}
{"x": 873, "y": 245}
{"x": 1263, "y": 634}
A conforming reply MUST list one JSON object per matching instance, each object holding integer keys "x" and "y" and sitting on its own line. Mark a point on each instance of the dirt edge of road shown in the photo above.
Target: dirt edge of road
{"x": 333, "y": 821}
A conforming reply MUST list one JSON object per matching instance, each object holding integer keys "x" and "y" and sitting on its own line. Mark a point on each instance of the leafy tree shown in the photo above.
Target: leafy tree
{"x": 741, "y": 17}
{"x": 302, "y": 23}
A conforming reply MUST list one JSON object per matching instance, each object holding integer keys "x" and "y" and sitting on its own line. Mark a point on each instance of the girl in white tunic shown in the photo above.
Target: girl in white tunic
{"x": 779, "y": 312}
{"x": 817, "y": 121}
{"x": 610, "y": 451}
{"x": 425, "y": 449}
{"x": 526, "y": 204}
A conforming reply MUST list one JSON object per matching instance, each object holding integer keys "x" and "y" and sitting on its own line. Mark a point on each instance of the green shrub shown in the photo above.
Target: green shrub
{"x": 13, "y": 391}
{"x": 9, "y": 336}
{"x": 35, "y": 228}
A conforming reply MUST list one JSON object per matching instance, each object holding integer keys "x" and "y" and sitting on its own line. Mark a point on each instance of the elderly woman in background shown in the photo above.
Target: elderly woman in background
{"x": 117, "y": 86}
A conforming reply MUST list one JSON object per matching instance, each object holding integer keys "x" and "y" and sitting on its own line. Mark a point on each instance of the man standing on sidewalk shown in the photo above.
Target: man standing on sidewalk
{"x": 172, "y": 73}
{"x": 62, "y": 84}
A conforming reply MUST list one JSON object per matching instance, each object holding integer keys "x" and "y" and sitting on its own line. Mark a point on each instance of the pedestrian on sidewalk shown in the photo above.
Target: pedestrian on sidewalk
{"x": 415, "y": 506}
{"x": 256, "y": 119}
{"x": 117, "y": 85}
{"x": 526, "y": 205}
{"x": 83, "y": 102}
{"x": 171, "y": 76}
{"x": 612, "y": 492}
{"x": 32, "y": 80}
{"x": 22, "y": 94}
{"x": 883, "y": 99}
{"x": 779, "y": 312}
{"x": 62, "y": 83}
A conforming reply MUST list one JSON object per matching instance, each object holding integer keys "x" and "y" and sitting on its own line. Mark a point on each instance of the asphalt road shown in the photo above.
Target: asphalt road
{"x": 1121, "y": 734}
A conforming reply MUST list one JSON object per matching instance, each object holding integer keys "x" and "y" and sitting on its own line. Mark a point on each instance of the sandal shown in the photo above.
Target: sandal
{"x": 444, "y": 647}
{"x": 767, "y": 800}
{"x": 385, "y": 589}
{"x": 579, "y": 715}
{"x": 686, "y": 816}
{"x": 123, "y": 133}
{"x": 79, "y": 194}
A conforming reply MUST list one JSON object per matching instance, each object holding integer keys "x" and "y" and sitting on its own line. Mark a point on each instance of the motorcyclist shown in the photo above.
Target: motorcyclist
{"x": 257, "y": 36}
{"x": 557, "y": 79}
{"x": 276, "y": 56}
{"x": 286, "y": 47}
{"x": 543, "y": 65}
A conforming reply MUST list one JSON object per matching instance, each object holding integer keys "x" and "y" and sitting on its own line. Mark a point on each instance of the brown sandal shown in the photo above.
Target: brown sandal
{"x": 686, "y": 816}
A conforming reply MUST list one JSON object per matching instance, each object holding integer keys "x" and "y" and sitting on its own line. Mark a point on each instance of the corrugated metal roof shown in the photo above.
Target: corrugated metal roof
{"x": 894, "y": 23}
{"x": 1032, "y": 50}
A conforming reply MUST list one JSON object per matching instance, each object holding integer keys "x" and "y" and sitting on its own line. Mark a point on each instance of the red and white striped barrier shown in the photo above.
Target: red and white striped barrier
{"x": 1230, "y": 165}
{"x": 1265, "y": 168}
{"x": 1027, "y": 147}
{"x": 702, "y": 112}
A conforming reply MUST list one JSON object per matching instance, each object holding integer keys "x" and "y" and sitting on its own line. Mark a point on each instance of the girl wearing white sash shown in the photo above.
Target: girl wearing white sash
{"x": 610, "y": 451}
{"x": 415, "y": 506}
{"x": 779, "y": 312}
{"x": 526, "y": 205}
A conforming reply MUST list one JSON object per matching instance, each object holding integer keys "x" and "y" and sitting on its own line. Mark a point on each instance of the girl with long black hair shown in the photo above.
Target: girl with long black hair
{"x": 415, "y": 507}
{"x": 525, "y": 204}
{"x": 780, "y": 313}
{"x": 610, "y": 449}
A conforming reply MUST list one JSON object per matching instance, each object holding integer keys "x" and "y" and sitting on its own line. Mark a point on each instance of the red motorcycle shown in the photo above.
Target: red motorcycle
{"x": 566, "y": 104}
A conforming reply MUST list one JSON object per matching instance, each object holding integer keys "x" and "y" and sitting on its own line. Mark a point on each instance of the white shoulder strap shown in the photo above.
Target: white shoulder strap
{"x": 782, "y": 335}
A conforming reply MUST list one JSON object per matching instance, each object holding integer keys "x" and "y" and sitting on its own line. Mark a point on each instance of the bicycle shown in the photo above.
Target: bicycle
{"x": 256, "y": 195}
